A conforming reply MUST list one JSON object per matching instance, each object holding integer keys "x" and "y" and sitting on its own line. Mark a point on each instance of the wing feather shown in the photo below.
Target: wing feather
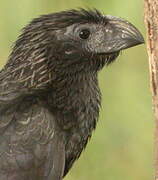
{"x": 31, "y": 146}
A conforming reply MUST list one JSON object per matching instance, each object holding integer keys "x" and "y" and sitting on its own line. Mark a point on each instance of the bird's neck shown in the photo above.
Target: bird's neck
{"x": 77, "y": 99}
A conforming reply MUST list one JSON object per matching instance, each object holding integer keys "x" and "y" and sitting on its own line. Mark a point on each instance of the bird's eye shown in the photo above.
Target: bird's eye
{"x": 84, "y": 34}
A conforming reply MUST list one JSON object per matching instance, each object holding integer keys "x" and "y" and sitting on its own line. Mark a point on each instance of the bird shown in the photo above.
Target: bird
{"x": 49, "y": 92}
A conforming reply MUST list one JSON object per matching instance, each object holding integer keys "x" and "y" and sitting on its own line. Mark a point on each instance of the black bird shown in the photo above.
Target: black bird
{"x": 49, "y": 94}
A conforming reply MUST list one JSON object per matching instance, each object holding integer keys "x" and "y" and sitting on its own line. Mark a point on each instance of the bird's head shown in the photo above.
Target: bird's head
{"x": 72, "y": 41}
{"x": 93, "y": 37}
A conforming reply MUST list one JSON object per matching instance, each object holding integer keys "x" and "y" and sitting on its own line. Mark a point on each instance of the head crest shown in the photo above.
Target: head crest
{"x": 66, "y": 18}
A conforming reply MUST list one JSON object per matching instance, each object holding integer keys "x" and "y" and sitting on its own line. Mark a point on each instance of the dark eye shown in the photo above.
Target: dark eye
{"x": 84, "y": 34}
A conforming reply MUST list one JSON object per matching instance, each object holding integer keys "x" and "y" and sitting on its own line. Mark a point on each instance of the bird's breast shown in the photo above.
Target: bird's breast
{"x": 76, "y": 103}
{"x": 76, "y": 108}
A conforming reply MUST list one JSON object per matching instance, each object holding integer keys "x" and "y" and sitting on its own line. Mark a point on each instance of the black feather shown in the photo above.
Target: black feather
{"x": 49, "y": 93}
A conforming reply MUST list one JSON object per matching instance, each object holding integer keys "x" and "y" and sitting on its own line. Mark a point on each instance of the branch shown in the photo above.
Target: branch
{"x": 151, "y": 21}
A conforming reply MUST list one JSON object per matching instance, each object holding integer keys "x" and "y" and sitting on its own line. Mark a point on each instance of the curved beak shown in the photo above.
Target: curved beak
{"x": 120, "y": 34}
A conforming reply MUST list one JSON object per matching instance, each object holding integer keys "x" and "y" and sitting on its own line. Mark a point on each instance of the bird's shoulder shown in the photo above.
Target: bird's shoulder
{"x": 23, "y": 106}
{"x": 29, "y": 115}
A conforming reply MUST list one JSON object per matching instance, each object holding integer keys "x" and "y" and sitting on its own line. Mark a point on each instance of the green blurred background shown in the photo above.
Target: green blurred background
{"x": 122, "y": 145}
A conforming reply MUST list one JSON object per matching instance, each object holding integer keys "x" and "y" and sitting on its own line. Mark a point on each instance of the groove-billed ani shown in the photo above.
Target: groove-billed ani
{"x": 49, "y": 94}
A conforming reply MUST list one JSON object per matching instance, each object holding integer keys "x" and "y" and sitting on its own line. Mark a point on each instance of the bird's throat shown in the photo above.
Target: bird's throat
{"x": 77, "y": 100}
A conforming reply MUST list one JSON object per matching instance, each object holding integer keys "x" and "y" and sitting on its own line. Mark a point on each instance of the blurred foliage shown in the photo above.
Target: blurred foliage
{"x": 121, "y": 146}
